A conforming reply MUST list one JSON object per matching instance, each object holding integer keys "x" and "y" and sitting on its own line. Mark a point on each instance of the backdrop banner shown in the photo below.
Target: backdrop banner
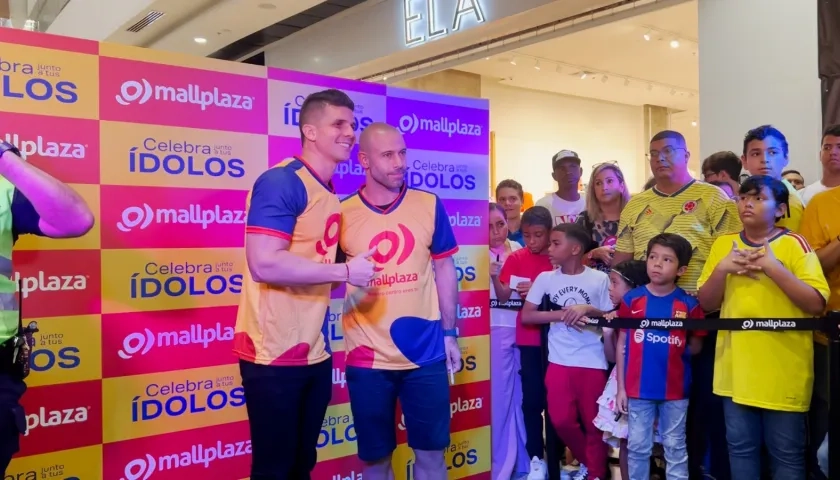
{"x": 133, "y": 376}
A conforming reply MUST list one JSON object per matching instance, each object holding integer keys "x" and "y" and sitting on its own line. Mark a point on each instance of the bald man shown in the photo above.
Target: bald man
{"x": 399, "y": 330}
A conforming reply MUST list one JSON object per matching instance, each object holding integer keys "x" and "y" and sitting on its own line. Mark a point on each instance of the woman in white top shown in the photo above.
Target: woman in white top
{"x": 508, "y": 433}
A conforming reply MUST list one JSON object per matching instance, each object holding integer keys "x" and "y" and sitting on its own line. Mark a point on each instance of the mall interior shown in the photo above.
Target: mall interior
{"x": 597, "y": 77}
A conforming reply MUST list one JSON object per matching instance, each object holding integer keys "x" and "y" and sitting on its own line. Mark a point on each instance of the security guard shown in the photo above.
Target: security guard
{"x": 31, "y": 202}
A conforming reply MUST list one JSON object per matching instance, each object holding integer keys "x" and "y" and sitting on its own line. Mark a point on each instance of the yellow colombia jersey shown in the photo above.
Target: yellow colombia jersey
{"x": 793, "y": 219}
{"x": 820, "y": 227}
{"x": 394, "y": 322}
{"x": 699, "y": 212}
{"x": 772, "y": 370}
{"x": 286, "y": 325}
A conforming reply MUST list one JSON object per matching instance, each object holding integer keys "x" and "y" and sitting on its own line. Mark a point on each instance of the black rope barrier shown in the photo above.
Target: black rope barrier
{"x": 829, "y": 325}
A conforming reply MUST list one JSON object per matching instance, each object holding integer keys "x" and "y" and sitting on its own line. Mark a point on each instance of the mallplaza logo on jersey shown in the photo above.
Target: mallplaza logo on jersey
{"x": 140, "y": 343}
{"x": 176, "y": 157}
{"x": 197, "y": 455}
{"x": 140, "y": 92}
{"x": 141, "y": 217}
{"x": 43, "y": 147}
{"x": 160, "y": 401}
{"x": 412, "y": 123}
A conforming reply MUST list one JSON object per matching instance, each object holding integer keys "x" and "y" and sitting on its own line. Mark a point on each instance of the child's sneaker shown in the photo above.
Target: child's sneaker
{"x": 538, "y": 469}
{"x": 581, "y": 474}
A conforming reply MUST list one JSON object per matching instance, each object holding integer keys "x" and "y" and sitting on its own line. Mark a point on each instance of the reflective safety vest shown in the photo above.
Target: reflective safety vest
{"x": 8, "y": 286}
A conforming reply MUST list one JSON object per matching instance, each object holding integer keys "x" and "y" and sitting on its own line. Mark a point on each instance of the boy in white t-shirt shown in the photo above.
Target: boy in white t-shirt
{"x": 566, "y": 203}
{"x": 577, "y": 370}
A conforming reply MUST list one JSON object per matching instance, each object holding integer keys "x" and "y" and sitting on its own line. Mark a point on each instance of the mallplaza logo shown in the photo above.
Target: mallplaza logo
{"x": 140, "y": 92}
{"x": 41, "y": 282}
{"x": 198, "y": 454}
{"x": 45, "y": 148}
{"x": 142, "y": 342}
{"x": 771, "y": 324}
{"x": 195, "y": 214}
{"x": 412, "y": 123}
{"x": 660, "y": 324}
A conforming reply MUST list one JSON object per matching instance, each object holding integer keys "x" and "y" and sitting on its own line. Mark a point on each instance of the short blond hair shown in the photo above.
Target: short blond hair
{"x": 593, "y": 208}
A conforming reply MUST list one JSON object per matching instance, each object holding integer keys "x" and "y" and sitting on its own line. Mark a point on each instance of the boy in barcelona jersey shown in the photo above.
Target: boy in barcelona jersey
{"x": 577, "y": 370}
{"x": 765, "y": 377}
{"x": 654, "y": 374}
{"x": 399, "y": 328}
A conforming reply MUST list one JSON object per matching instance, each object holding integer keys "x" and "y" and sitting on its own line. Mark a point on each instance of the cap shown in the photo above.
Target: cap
{"x": 564, "y": 154}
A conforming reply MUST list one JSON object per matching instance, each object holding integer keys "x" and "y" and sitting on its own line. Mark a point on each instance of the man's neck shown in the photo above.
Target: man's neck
{"x": 514, "y": 223}
{"x": 323, "y": 166}
{"x": 757, "y": 235}
{"x": 572, "y": 266}
{"x": 379, "y": 195}
{"x": 673, "y": 185}
{"x": 568, "y": 195}
{"x": 830, "y": 180}
{"x": 661, "y": 290}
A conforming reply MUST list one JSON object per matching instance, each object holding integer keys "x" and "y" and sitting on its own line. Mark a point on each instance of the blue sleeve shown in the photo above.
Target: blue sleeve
{"x": 278, "y": 198}
{"x": 25, "y": 220}
{"x": 443, "y": 240}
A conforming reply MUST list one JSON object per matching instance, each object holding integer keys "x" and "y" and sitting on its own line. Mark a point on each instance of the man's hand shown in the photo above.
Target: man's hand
{"x": 453, "y": 354}
{"x": 360, "y": 269}
{"x": 523, "y": 288}
{"x": 695, "y": 345}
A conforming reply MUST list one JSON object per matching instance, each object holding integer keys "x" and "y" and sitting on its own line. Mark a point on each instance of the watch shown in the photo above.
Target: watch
{"x": 450, "y": 332}
{"x": 8, "y": 147}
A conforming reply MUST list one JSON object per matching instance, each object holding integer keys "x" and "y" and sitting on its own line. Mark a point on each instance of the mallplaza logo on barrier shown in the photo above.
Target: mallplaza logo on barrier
{"x": 194, "y": 214}
{"x": 140, "y": 92}
{"x": 185, "y": 279}
{"x": 186, "y": 397}
{"x": 45, "y": 148}
{"x": 772, "y": 324}
{"x": 660, "y": 324}
{"x": 412, "y": 123}
{"x": 177, "y": 157}
{"x": 198, "y": 455}
{"x": 36, "y": 88}
{"x": 138, "y": 343}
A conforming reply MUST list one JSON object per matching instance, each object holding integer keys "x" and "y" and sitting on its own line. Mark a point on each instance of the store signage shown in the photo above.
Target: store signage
{"x": 433, "y": 21}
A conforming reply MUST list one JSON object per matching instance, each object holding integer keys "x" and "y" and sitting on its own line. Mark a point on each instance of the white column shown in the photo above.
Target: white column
{"x": 758, "y": 65}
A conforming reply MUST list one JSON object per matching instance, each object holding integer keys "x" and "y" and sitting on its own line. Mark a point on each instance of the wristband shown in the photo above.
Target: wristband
{"x": 347, "y": 267}
{"x": 450, "y": 332}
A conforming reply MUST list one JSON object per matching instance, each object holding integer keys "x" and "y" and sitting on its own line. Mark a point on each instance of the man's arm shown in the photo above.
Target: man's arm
{"x": 446, "y": 282}
{"x": 277, "y": 199}
{"x": 624, "y": 247}
{"x": 43, "y": 205}
{"x": 817, "y": 235}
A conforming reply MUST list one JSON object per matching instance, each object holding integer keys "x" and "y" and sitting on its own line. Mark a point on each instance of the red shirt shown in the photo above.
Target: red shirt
{"x": 523, "y": 263}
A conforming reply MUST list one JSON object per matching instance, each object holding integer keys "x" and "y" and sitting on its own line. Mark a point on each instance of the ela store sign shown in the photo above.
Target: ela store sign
{"x": 432, "y": 22}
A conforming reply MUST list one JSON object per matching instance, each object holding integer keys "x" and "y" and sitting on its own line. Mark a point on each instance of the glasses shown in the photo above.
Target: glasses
{"x": 611, "y": 162}
{"x": 666, "y": 153}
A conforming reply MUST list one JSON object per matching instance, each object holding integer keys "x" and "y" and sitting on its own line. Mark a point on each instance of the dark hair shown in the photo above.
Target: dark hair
{"x": 577, "y": 234}
{"x": 315, "y": 102}
{"x": 833, "y": 130}
{"x": 664, "y": 134}
{"x": 511, "y": 184}
{"x": 634, "y": 272}
{"x": 723, "y": 162}
{"x": 649, "y": 184}
{"x": 537, "y": 217}
{"x": 762, "y": 132}
{"x": 495, "y": 206}
{"x": 795, "y": 172}
{"x": 680, "y": 246}
{"x": 778, "y": 189}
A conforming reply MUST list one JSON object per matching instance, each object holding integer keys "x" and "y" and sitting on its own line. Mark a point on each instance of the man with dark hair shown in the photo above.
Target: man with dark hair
{"x": 830, "y": 160}
{"x": 566, "y": 203}
{"x": 291, "y": 237}
{"x": 700, "y": 213}
{"x": 794, "y": 178}
{"x": 723, "y": 167}
{"x": 766, "y": 153}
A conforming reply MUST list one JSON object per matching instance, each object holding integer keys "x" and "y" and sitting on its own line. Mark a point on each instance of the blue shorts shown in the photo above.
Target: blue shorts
{"x": 424, "y": 396}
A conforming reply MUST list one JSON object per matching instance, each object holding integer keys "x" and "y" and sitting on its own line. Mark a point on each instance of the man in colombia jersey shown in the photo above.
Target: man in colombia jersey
{"x": 399, "y": 330}
{"x": 290, "y": 243}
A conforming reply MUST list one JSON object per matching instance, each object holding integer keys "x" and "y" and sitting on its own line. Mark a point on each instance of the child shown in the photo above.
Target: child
{"x": 765, "y": 377}
{"x": 624, "y": 277}
{"x": 654, "y": 373}
{"x": 577, "y": 366}
{"x": 514, "y": 282}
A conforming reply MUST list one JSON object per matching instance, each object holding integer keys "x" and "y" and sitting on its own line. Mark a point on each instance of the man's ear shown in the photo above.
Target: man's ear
{"x": 309, "y": 131}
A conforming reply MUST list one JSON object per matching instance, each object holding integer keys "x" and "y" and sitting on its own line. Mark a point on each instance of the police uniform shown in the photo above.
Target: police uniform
{"x": 17, "y": 217}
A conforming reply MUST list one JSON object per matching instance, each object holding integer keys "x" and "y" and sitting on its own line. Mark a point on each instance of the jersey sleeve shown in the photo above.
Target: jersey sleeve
{"x": 624, "y": 310}
{"x": 278, "y": 198}
{"x": 538, "y": 289}
{"x": 723, "y": 215}
{"x": 624, "y": 243}
{"x": 811, "y": 227}
{"x": 805, "y": 264}
{"x": 695, "y": 312}
{"x": 25, "y": 220}
{"x": 716, "y": 254}
{"x": 443, "y": 239}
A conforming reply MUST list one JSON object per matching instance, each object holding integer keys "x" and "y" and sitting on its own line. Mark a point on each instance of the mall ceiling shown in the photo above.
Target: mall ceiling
{"x": 647, "y": 59}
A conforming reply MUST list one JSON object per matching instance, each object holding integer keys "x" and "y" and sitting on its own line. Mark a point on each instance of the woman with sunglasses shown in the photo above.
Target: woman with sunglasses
{"x": 606, "y": 196}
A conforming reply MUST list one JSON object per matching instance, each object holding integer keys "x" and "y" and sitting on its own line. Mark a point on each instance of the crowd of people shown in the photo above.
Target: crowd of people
{"x": 722, "y": 404}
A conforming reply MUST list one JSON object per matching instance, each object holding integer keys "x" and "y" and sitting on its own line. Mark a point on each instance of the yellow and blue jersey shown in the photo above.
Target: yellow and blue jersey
{"x": 286, "y": 325}
{"x": 394, "y": 322}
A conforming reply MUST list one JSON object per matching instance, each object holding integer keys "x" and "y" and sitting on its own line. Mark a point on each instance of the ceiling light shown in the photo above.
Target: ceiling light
{"x": 267, "y": 6}
{"x": 675, "y": 43}
{"x": 583, "y": 75}
{"x": 537, "y": 65}
{"x": 646, "y": 36}
{"x": 200, "y": 40}
{"x": 513, "y": 61}
{"x": 694, "y": 123}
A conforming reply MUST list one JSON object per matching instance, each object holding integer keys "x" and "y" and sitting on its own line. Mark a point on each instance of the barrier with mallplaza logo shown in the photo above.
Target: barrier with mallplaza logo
{"x": 133, "y": 377}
